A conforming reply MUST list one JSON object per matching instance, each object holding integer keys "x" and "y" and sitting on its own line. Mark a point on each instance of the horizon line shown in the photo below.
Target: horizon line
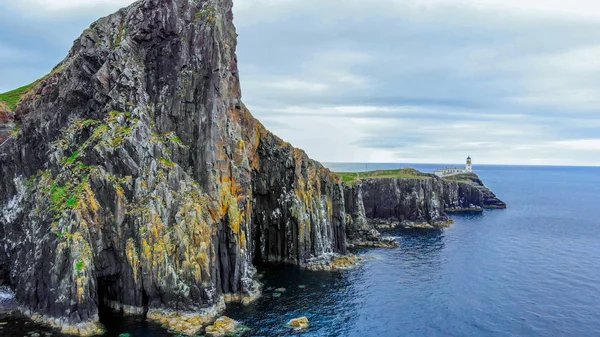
{"x": 475, "y": 165}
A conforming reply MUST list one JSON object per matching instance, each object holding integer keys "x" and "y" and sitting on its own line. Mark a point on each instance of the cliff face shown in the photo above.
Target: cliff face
{"x": 473, "y": 189}
{"x": 6, "y": 122}
{"x": 423, "y": 200}
{"x": 139, "y": 180}
{"x": 298, "y": 206}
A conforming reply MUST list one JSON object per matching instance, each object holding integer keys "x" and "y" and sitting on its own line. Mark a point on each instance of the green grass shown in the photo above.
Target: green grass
{"x": 461, "y": 178}
{"x": 12, "y": 98}
{"x": 167, "y": 162}
{"x": 58, "y": 194}
{"x": 352, "y": 178}
{"x": 73, "y": 158}
{"x": 176, "y": 140}
{"x": 79, "y": 266}
{"x": 72, "y": 202}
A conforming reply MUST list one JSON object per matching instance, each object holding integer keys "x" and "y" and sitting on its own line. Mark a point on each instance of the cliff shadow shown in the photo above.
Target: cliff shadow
{"x": 418, "y": 240}
{"x": 467, "y": 215}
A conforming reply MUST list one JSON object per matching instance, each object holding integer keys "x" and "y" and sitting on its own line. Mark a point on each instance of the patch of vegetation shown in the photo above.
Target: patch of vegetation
{"x": 73, "y": 158}
{"x": 208, "y": 14}
{"x": 351, "y": 178}
{"x": 466, "y": 178}
{"x": 72, "y": 202}
{"x": 66, "y": 197}
{"x": 89, "y": 122}
{"x": 79, "y": 266}
{"x": 122, "y": 32}
{"x": 14, "y": 97}
{"x": 167, "y": 162}
{"x": 16, "y": 130}
{"x": 58, "y": 194}
{"x": 168, "y": 137}
{"x": 176, "y": 140}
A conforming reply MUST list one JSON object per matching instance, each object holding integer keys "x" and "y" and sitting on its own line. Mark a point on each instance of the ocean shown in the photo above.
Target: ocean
{"x": 530, "y": 270}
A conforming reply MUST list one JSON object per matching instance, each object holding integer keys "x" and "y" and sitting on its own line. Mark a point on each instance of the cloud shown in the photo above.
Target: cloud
{"x": 566, "y": 79}
{"x": 505, "y": 81}
{"x": 65, "y": 8}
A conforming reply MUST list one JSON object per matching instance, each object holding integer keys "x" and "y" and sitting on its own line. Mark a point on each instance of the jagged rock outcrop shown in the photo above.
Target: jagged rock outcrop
{"x": 139, "y": 180}
{"x": 470, "y": 190}
{"x": 423, "y": 200}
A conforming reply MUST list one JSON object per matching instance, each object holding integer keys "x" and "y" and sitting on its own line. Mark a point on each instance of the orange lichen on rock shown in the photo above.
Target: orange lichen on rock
{"x": 133, "y": 258}
{"x": 299, "y": 323}
{"x": 86, "y": 329}
{"x": 334, "y": 262}
{"x": 189, "y": 323}
{"x": 222, "y": 326}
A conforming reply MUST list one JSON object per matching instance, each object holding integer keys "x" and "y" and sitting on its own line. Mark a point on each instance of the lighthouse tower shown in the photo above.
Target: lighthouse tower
{"x": 469, "y": 166}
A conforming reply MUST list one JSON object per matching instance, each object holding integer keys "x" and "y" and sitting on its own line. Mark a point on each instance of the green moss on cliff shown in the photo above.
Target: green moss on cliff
{"x": 65, "y": 197}
{"x": 208, "y": 14}
{"x": 15, "y": 132}
{"x": 169, "y": 137}
{"x": 167, "y": 162}
{"x": 352, "y": 178}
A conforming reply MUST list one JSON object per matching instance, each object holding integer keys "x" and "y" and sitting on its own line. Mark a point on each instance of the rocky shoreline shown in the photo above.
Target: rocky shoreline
{"x": 134, "y": 177}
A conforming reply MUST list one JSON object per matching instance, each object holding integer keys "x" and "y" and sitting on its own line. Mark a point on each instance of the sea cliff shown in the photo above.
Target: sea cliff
{"x": 134, "y": 177}
{"x": 137, "y": 178}
{"x": 409, "y": 198}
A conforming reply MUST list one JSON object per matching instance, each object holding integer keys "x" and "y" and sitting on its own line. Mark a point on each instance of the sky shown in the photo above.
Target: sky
{"x": 407, "y": 81}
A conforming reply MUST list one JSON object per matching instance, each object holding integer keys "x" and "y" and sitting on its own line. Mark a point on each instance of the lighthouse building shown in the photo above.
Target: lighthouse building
{"x": 447, "y": 172}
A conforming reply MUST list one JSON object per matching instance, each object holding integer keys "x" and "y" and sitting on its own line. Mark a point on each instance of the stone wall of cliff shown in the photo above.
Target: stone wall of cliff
{"x": 139, "y": 180}
{"x": 424, "y": 200}
{"x": 298, "y": 205}
{"x": 6, "y": 122}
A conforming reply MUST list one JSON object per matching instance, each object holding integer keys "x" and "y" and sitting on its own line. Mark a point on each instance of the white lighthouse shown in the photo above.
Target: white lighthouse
{"x": 448, "y": 172}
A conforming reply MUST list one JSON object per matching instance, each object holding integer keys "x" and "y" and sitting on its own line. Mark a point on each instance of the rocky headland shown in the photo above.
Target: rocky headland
{"x": 133, "y": 177}
{"x": 409, "y": 198}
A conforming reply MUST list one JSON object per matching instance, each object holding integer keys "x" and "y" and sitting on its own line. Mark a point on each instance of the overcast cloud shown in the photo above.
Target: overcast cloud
{"x": 507, "y": 82}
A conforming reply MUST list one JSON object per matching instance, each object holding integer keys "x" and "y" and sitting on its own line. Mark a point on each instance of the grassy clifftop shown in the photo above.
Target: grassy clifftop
{"x": 351, "y": 178}
{"x": 12, "y": 98}
{"x": 466, "y": 178}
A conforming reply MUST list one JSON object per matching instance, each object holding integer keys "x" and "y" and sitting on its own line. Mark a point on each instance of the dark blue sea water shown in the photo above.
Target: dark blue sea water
{"x": 530, "y": 270}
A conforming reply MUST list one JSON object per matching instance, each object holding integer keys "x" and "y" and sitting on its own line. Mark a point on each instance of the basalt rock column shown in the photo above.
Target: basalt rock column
{"x": 139, "y": 180}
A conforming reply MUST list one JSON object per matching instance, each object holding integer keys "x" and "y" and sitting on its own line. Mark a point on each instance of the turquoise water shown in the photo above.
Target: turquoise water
{"x": 530, "y": 270}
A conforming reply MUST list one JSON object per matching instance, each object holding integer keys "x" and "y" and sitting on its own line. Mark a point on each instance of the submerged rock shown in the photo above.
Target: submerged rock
{"x": 299, "y": 323}
{"x": 334, "y": 262}
{"x": 189, "y": 323}
{"x": 370, "y": 237}
{"x": 225, "y": 326}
